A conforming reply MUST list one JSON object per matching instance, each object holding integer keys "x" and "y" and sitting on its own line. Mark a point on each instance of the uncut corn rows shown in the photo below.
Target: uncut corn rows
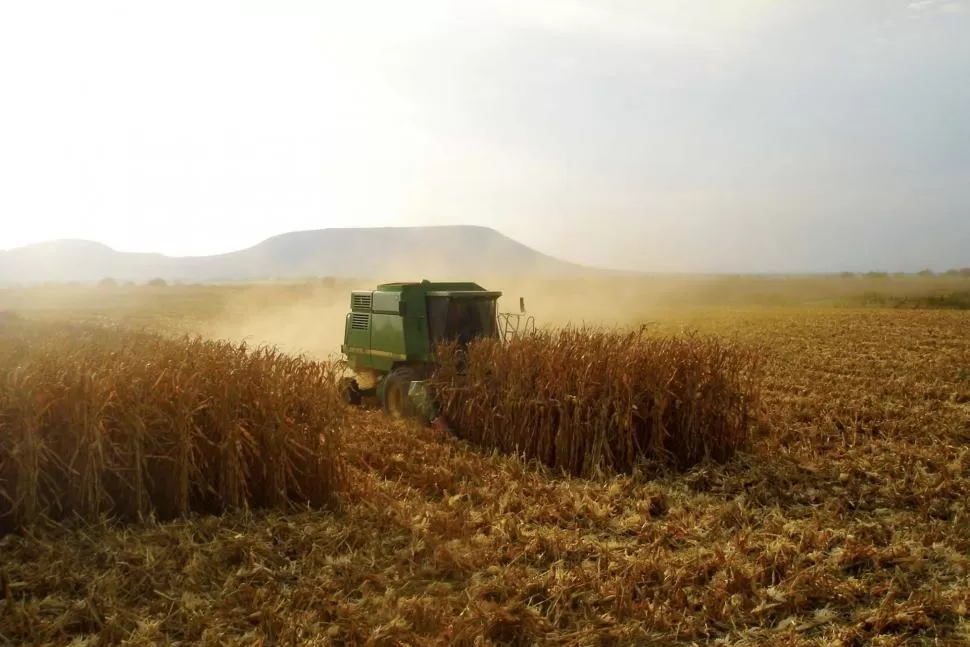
{"x": 127, "y": 424}
{"x": 585, "y": 400}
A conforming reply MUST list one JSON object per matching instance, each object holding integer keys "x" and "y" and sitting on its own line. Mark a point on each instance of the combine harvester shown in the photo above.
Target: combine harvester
{"x": 390, "y": 335}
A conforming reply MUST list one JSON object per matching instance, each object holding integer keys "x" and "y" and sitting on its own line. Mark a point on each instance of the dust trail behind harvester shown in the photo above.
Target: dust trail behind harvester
{"x": 309, "y": 318}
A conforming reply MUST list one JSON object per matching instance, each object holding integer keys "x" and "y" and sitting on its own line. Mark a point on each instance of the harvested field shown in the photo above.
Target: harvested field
{"x": 97, "y": 421}
{"x": 594, "y": 401}
{"x": 844, "y": 522}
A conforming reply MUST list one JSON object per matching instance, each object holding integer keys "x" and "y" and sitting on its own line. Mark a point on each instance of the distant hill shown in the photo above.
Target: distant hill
{"x": 405, "y": 252}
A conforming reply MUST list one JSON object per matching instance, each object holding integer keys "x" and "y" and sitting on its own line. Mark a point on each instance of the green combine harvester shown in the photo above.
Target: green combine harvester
{"x": 390, "y": 335}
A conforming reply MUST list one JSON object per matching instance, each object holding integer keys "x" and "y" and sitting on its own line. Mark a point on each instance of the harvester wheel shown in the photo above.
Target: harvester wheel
{"x": 350, "y": 391}
{"x": 397, "y": 404}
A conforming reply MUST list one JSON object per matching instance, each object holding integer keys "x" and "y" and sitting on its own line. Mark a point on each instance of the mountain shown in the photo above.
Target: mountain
{"x": 406, "y": 252}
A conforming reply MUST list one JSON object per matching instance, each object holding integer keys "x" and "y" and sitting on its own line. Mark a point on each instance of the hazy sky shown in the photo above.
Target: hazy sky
{"x": 722, "y": 134}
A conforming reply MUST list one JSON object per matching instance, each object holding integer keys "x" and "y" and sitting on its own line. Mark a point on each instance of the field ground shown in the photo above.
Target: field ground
{"x": 846, "y": 523}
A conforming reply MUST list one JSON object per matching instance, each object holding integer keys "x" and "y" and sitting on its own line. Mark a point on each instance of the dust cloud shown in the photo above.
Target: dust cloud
{"x": 305, "y": 320}
{"x": 309, "y": 318}
{"x": 580, "y": 301}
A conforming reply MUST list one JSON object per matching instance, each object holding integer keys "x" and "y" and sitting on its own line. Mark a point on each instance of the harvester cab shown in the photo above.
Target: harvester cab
{"x": 390, "y": 335}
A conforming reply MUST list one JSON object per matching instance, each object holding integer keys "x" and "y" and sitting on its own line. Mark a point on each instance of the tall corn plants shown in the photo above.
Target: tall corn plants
{"x": 585, "y": 399}
{"x": 128, "y": 424}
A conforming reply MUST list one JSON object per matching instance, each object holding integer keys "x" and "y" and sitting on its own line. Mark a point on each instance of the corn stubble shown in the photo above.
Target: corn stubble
{"x": 587, "y": 400}
{"x": 96, "y": 422}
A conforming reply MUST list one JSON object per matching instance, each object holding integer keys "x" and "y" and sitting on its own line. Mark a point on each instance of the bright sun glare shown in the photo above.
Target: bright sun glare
{"x": 587, "y": 130}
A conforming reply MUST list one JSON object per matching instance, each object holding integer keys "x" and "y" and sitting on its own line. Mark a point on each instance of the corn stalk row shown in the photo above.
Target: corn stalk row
{"x": 586, "y": 400}
{"x": 100, "y": 422}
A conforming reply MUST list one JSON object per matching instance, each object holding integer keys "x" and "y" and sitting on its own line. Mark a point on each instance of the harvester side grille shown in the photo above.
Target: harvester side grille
{"x": 362, "y": 301}
{"x": 359, "y": 321}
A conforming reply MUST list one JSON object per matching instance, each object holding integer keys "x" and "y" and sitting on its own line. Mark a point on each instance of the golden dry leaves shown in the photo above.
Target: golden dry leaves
{"x": 97, "y": 421}
{"x": 589, "y": 400}
{"x": 846, "y": 523}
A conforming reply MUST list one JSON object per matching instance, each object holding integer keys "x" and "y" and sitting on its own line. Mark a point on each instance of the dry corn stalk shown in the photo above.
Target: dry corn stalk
{"x": 96, "y": 422}
{"x": 584, "y": 399}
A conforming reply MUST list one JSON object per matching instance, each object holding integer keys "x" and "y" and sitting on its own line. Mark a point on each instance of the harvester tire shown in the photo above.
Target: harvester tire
{"x": 395, "y": 398}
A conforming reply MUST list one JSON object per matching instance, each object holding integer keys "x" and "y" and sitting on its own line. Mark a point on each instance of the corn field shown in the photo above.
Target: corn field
{"x": 98, "y": 422}
{"x": 587, "y": 400}
{"x": 845, "y": 521}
